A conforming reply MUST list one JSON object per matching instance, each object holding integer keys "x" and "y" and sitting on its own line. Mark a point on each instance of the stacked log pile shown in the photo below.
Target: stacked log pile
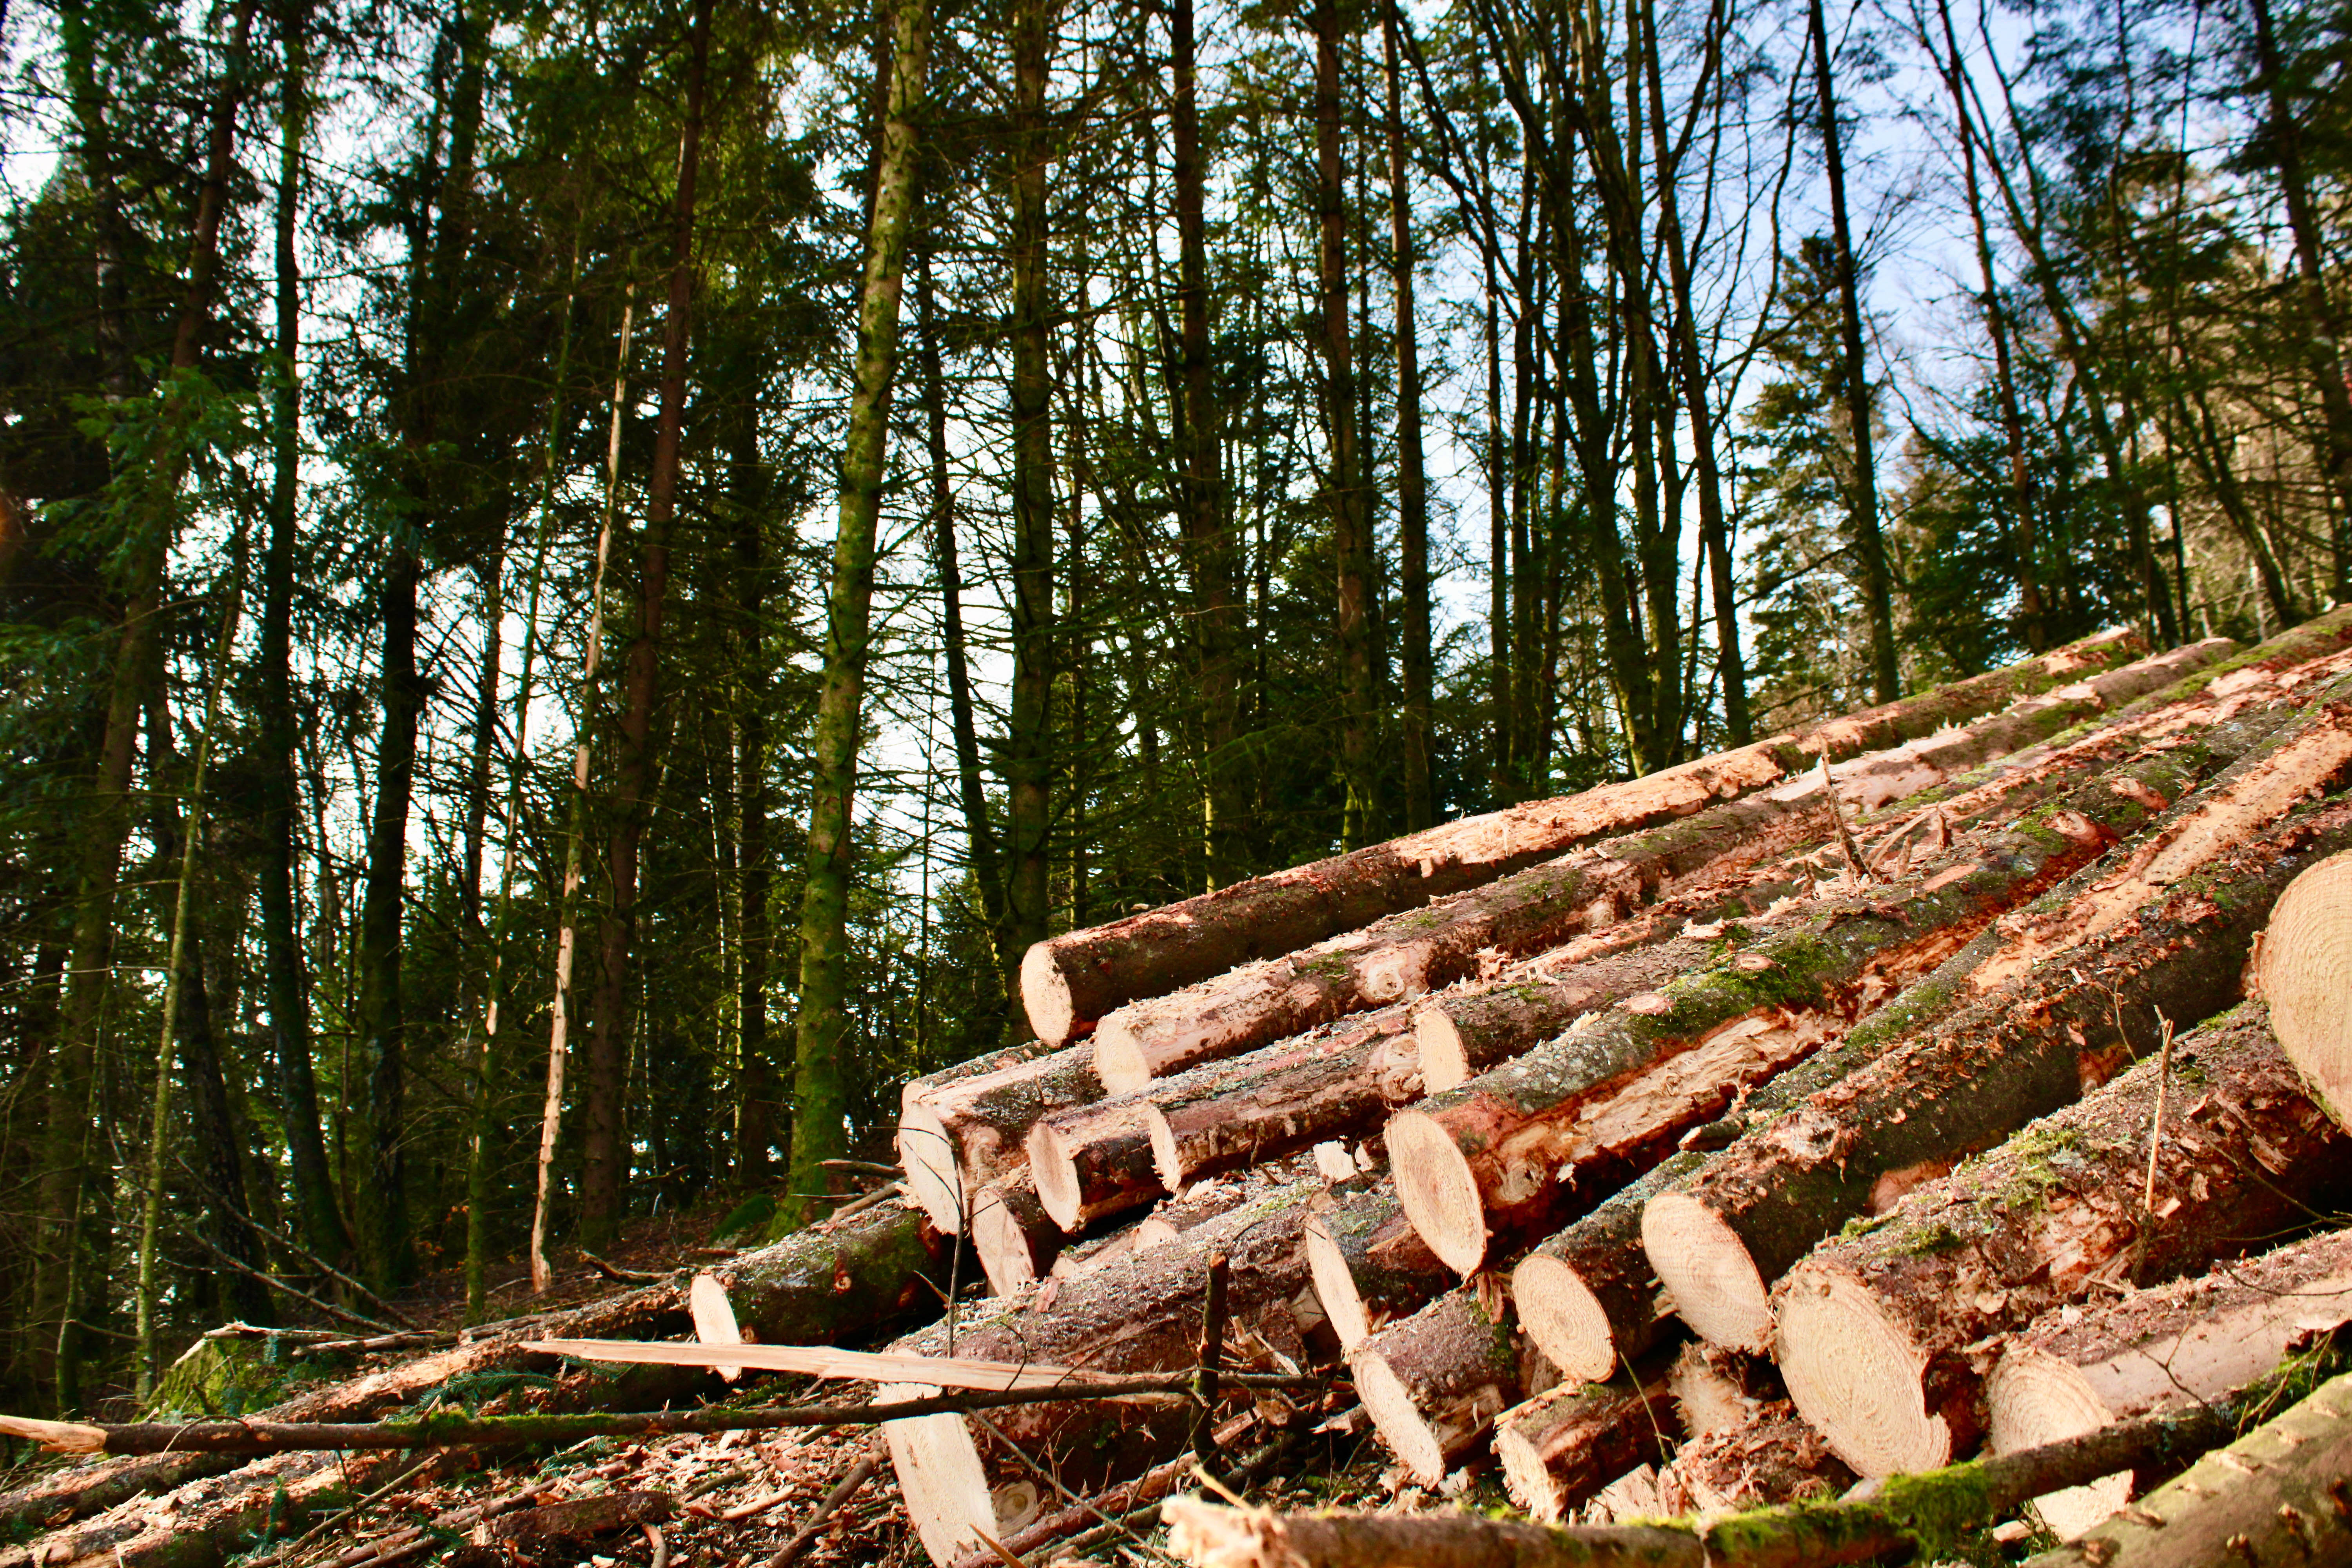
{"x": 1848, "y": 1104}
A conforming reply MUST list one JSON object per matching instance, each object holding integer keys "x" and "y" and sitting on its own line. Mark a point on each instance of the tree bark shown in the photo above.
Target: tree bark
{"x": 1587, "y": 1297}
{"x": 821, "y": 1094}
{"x": 1071, "y": 981}
{"x": 1368, "y": 1265}
{"x": 603, "y": 1145}
{"x": 1433, "y": 1383}
{"x": 1417, "y": 733}
{"x": 1016, "y": 1239}
{"x": 1094, "y": 1161}
{"x": 1559, "y": 1448}
{"x": 2052, "y": 1003}
{"x": 963, "y": 1128}
{"x": 1874, "y": 1330}
{"x": 2079, "y": 1369}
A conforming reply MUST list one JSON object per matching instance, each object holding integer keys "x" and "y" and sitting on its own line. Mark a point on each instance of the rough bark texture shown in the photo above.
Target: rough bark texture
{"x": 1370, "y": 1266}
{"x": 1587, "y": 1297}
{"x": 1140, "y": 1312}
{"x": 1335, "y": 1083}
{"x": 2273, "y": 1497}
{"x": 1433, "y": 1383}
{"x": 1879, "y": 1331}
{"x": 957, "y": 1131}
{"x": 1067, "y": 983}
{"x": 1408, "y": 955}
{"x": 2165, "y": 932}
{"x": 2080, "y": 1368}
{"x": 1560, "y": 1447}
{"x": 1094, "y": 1161}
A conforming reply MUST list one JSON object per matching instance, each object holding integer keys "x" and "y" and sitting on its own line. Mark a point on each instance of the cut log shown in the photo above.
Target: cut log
{"x": 1202, "y": 1201}
{"x": 1473, "y": 1029}
{"x": 1338, "y": 1081}
{"x": 1368, "y": 1265}
{"x": 1878, "y": 1332}
{"x": 2165, "y": 933}
{"x": 1092, "y": 1161}
{"x": 2273, "y": 1498}
{"x": 2305, "y": 971}
{"x": 1068, "y": 982}
{"x": 1433, "y": 1383}
{"x": 962, "y": 1132}
{"x": 1559, "y": 1448}
{"x": 1139, "y": 1312}
{"x": 1409, "y": 954}
{"x": 1771, "y": 1459}
{"x": 1016, "y": 1239}
{"x": 1587, "y": 1297}
{"x": 2079, "y": 1369}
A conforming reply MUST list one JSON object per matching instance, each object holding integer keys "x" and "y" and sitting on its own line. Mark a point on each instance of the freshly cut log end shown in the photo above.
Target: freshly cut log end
{"x": 1560, "y": 1313}
{"x": 1166, "y": 1157}
{"x": 1092, "y": 1167}
{"x": 714, "y": 1318}
{"x": 1015, "y": 1238}
{"x": 1715, "y": 1390}
{"x": 1433, "y": 1383}
{"x": 1444, "y": 1062}
{"x": 1855, "y": 1375}
{"x": 1408, "y": 1434}
{"x": 1045, "y": 997}
{"x": 929, "y": 1157}
{"x": 1121, "y": 1061}
{"x": 945, "y": 1484}
{"x": 1368, "y": 1265}
{"x": 1335, "y": 1286}
{"x": 2037, "y": 1398}
{"x": 1557, "y": 1447}
{"x": 1439, "y": 1191}
{"x": 2306, "y": 976}
{"x": 1707, "y": 1274}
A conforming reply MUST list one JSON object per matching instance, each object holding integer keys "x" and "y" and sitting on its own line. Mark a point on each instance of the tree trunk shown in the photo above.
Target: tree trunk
{"x": 961, "y": 1129}
{"x": 1135, "y": 1314}
{"x": 1483, "y": 1163}
{"x": 286, "y": 986}
{"x": 1434, "y": 1381}
{"x": 2269, "y": 1499}
{"x": 1875, "y": 1332}
{"x": 1587, "y": 1298}
{"x": 378, "y": 1019}
{"x": 1417, "y": 733}
{"x": 1559, "y": 1448}
{"x": 1028, "y": 745}
{"x": 2081, "y": 1368}
{"x": 1070, "y": 982}
{"x": 1368, "y": 1265}
{"x": 755, "y": 1093}
{"x": 604, "y": 1145}
{"x": 1854, "y": 377}
{"x": 2050, "y": 1005}
{"x": 820, "y": 1091}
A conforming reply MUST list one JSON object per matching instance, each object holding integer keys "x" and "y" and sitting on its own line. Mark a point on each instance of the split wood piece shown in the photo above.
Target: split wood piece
{"x": 1016, "y": 1239}
{"x": 2163, "y": 932}
{"x": 1560, "y": 1447}
{"x": 1137, "y": 1313}
{"x": 1368, "y": 1265}
{"x": 1092, "y": 1161}
{"x": 2078, "y": 1369}
{"x": 1772, "y": 1458}
{"x": 1069, "y": 982}
{"x": 714, "y": 1319}
{"x": 1876, "y": 1519}
{"x": 1337, "y": 1081}
{"x": 2273, "y": 1498}
{"x": 1878, "y": 1332}
{"x": 864, "y": 1275}
{"x": 1715, "y": 1390}
{"x": 1433, "y": 1383}
{"x": 1417, "y": 951}
{"x": 958, "y": 1133}
{"x": 2305, "y": 971}
{"x": 1491, "y": 1163}
{"x": 1588, "y": 1297}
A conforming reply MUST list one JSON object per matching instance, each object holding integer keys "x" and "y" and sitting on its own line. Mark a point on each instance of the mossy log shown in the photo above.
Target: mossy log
{"x": 2079, "y": 1368}
{"x": 1434, "y": 1381}
{"x": 1137, "y": 1313}
{"x": 1069, "y": 982}
{"x": 1878, "y": 1330}
{"x": 2273, "y": 1499}
{"x": 1588, "y": 1297}
{"x": 1412, "y": 953}
{"x": 2069, "y": 994}
{"x": 961, "y": 1131}
{"x": 1564, "y": 1444}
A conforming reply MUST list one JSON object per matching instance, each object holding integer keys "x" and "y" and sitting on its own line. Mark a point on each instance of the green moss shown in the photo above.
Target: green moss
{"x": 1929, "y": 1239}
{"x": 219, "y": 1378}
{"x": 754, "y": 1214}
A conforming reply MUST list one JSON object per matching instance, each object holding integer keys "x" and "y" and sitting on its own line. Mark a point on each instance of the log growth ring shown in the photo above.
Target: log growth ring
{"x": 2034, "y": 1399}
{"x": 1855, "y": 1374}
{"x": 1438, "y": 1190}
{"x": 1390, "y": 1406}
{"x": 1335, "y": 1286}
{"x": 927, "y": 1155}
{"x": 2306, "y": 977}
{"x": 1566, "y": 1321}
{"x": 1445, "y": 1064}
{"x": 1708, "y": 1276}
{"x": 1046, "y": 996}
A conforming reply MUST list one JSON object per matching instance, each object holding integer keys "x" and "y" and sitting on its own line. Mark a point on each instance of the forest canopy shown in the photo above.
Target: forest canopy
{"x": 578, "y": 585}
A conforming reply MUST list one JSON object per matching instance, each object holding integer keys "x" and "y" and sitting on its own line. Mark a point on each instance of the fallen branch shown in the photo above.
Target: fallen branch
{"x": 453, "y": 1429}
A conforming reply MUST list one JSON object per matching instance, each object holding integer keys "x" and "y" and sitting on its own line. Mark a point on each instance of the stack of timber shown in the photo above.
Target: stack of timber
{"x": 1968, "y": 1075}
